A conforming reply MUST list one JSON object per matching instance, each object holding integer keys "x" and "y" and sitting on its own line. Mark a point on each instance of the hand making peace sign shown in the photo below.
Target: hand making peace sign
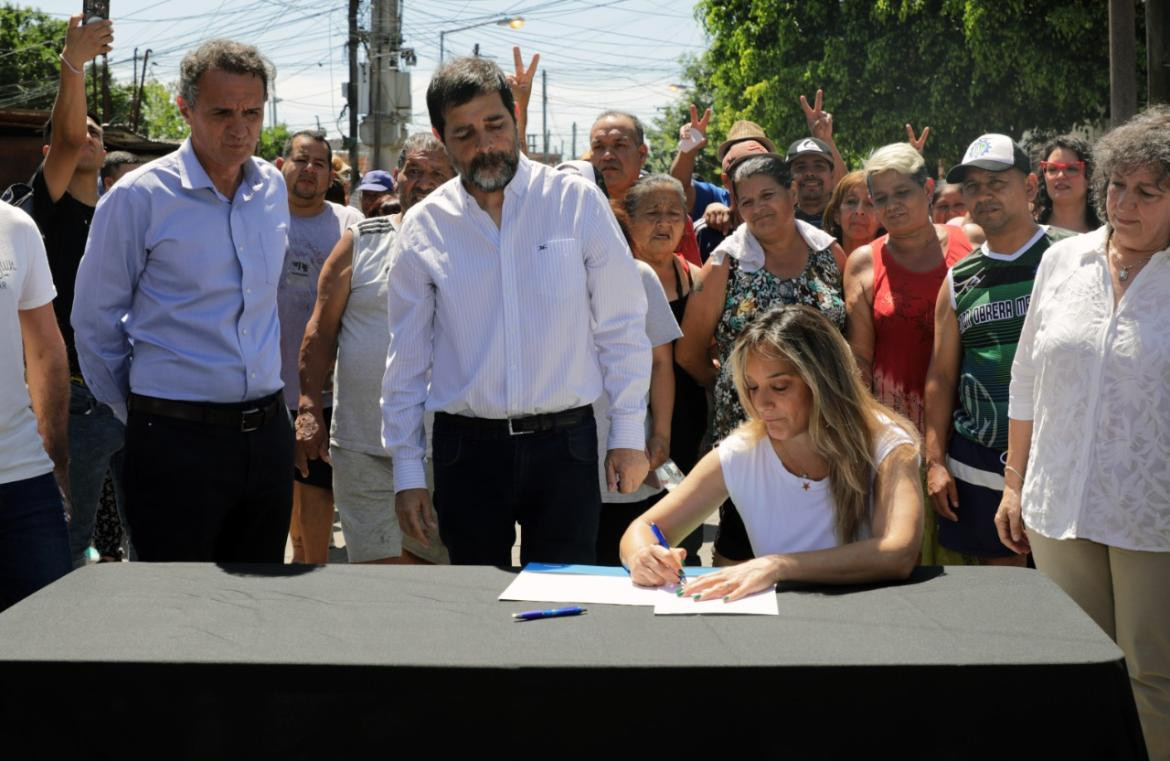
{"x": 521, "y": 81}
{"x": 820, "y": 121}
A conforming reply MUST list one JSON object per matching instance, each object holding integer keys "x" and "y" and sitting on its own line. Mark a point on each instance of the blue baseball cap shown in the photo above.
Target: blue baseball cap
{"x": 377, "y": 181}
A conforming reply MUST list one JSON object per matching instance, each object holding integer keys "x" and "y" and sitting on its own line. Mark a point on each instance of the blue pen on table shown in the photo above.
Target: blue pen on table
{"x": 682, "y": 576}
{"x": 536, "y": 615}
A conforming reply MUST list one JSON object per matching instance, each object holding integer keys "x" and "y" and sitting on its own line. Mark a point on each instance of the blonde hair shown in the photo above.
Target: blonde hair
{"x": 844, "y": 420}
{"x": 897, "y": 157}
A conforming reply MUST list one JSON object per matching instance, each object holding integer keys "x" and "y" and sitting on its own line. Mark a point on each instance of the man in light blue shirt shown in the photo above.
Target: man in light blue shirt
{"x": 177, "y": 329}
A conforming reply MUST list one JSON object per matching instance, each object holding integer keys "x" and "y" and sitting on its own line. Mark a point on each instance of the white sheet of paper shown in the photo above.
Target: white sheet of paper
{"x": 532, "y": 586}
{"x": 763, "y": 603}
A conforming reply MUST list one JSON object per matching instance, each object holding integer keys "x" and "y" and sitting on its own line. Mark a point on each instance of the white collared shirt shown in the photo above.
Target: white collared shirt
{"x": 1095, "y": 381}
{"x": 542, "y": 314}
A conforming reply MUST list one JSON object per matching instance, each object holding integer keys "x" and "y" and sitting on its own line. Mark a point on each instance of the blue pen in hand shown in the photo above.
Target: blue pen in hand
{"x": 535, "y": 615}
{"x": 682, "y": 577}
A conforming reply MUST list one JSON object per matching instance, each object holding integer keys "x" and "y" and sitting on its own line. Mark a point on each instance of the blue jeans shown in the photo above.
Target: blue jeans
{"x": 34, "y": 544}
{"x": 95, "y": 446}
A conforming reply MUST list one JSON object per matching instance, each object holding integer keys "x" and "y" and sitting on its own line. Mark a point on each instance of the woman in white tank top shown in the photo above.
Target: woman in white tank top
{"x": 826, "y": 478}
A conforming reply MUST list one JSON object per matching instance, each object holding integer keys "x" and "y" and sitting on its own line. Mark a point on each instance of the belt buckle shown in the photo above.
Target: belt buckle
{"x": 254, "y": 413}
{"x": 513, "y": 432}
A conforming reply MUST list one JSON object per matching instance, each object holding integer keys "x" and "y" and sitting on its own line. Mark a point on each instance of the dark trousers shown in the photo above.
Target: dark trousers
{"x": 486, "y": 483}
{"x": 34, "y": 542}
{"x": 731, "y": 540}
{"x": 616, "y": 517}
{"x": 205, "y": 492}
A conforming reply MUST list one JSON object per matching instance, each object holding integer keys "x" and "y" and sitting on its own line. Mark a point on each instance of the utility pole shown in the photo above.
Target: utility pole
{"x": 140, "y": 90}
{"x": 377, "y": 61}
{"x": 574, "y": 139}
{"x": 106, "y": 109}
{"x": 93, "y": 78}
{"x": 544, "y": 109}
{"x": 351, "y": 93}
{"x": 1122, "y": 62}
{"x": 390, "y": 86}
{"x": 134, "y": 96}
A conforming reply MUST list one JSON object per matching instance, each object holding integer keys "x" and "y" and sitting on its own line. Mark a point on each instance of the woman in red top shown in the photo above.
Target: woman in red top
{"x": 891, "y": 284}
{"x": 890, "y": 291}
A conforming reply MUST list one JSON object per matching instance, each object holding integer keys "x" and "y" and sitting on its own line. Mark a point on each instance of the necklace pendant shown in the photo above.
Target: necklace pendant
{"x": 1123, "y": 274}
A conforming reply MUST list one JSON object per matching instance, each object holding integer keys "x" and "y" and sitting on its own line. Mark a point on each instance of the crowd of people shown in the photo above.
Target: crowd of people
{"x": 861, "y": 371}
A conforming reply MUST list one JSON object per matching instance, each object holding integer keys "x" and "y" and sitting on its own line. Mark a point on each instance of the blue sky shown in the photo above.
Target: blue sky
{"x": 599, "y": 54}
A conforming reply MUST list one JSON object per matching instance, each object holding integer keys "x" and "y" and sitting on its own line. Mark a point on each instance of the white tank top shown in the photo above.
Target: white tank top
{"x": 783, "y": 512}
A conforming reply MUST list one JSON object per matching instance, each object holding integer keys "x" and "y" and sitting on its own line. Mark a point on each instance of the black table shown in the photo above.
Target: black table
{"x": 200, "y": 661}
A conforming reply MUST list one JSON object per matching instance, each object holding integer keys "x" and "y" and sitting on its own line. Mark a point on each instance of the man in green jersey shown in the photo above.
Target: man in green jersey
{"x": 978, "y": 317}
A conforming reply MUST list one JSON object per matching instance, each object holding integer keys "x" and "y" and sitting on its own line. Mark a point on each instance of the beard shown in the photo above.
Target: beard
{"x": 305, "y": 194}
{"x": 490, "y": 172}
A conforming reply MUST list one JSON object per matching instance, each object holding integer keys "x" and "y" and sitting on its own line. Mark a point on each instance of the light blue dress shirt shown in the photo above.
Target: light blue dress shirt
{"x": 176, "y": 294}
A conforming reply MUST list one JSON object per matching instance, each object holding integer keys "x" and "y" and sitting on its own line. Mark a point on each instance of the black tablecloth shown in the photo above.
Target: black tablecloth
{"x": 284, "y": 661}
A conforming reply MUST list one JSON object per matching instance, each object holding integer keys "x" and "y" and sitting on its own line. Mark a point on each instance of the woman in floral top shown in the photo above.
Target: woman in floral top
{"x": 773, "y": 258}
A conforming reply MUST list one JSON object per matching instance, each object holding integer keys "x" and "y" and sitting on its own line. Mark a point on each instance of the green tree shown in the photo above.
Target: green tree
{"x": 29, "y": 69}
{"x": 160, "y": 117}
{"x": 663, "y": 135}
{"x": 963, "y": 67}
{"x": 272, "y": 140}
{"x": 30, "y": 72}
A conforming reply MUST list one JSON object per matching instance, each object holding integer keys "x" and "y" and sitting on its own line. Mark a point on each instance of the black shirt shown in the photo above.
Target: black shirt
{"x": 65, "y": 227}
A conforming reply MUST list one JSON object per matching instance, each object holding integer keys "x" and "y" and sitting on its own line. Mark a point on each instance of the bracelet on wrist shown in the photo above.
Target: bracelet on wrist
{"x": 1009, "y": 469}
{"x": 69, "y": 65}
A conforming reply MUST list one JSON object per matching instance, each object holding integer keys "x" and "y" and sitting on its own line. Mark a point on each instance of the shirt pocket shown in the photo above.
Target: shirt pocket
{"x": 558, "y": 270}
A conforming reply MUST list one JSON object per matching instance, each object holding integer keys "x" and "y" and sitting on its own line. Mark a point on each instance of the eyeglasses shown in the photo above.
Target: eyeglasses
{"x": 1070, "y": 169}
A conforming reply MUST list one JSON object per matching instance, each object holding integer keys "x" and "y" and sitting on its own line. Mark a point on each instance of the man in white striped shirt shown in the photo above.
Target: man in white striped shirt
{"x": 512, "y": 287}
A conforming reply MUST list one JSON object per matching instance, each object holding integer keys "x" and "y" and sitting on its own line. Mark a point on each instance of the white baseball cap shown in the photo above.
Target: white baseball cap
{"x": 993, "y": 152}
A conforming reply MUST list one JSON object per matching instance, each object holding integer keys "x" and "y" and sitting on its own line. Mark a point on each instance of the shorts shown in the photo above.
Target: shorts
{"x": 978, "y": 474}
{"x": 363, "y": 491}
{"x": 320, "y": 472}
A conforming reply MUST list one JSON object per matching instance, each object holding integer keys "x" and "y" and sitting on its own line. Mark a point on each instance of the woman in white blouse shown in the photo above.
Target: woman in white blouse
{"x": 825, "y": 478}
{"x": 1088, "y": 463}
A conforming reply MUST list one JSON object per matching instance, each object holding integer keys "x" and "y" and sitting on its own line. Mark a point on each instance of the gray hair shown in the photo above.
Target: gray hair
{"x": 419, "y": 142}
{"x": 767, "y": 165}
{"x": 225, "y": 55}
{"x": 639, "y": 128}
{"x": 116, "y": 159}
{"x": 649, "y": 184}
{"x": 902, "y": 158}
{"x": 1143, "y": 142}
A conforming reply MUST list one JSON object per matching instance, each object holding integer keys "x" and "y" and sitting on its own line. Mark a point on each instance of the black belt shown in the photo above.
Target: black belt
{"x": 549, "y": 421}
{"x": 242, "y": 416}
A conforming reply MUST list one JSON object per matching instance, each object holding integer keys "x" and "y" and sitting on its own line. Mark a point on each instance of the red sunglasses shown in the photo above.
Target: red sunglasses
{"x": 1070, "y": 168}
